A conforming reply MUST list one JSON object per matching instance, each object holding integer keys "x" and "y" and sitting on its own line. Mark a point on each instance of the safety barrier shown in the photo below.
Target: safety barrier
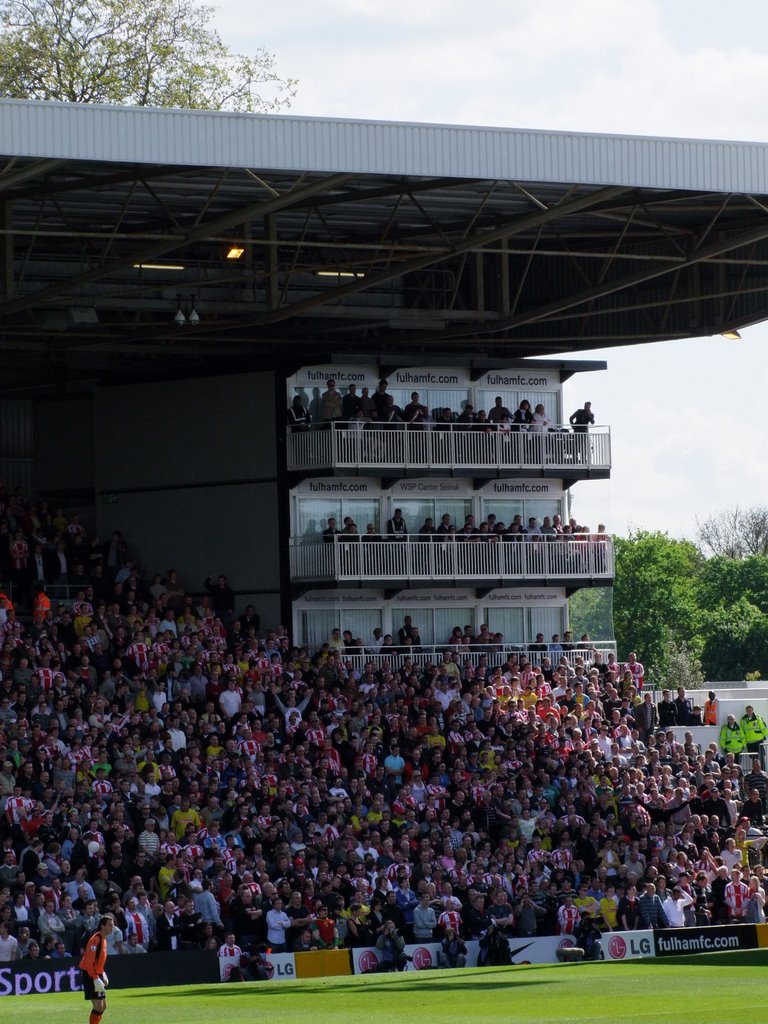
{"x": 35, "y": 977}
{"x": 156, "y": 970}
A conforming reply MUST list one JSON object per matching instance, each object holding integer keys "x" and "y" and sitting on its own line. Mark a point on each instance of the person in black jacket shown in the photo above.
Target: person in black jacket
{"x": 667, "y": 711}
{"x": 222, "y": 597}
{"x": 168, "y": 930}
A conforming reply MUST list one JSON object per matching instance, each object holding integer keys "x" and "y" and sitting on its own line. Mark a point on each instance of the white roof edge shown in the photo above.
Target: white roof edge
{"x": 143, "y": 135}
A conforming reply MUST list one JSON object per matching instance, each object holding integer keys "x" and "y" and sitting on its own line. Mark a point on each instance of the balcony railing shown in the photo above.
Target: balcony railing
{"x": 400, "y": 447}
{"x": 497, "y": 654}
{"x": 429, "y": 558}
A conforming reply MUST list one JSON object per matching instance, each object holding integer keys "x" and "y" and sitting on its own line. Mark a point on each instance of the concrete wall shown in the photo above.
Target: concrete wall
{"x": 187, "y": 470}
{"x": 64, "y": 455}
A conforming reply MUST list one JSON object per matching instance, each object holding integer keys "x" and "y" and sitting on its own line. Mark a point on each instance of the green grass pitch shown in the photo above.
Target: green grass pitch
{"x": 715, "y": 989}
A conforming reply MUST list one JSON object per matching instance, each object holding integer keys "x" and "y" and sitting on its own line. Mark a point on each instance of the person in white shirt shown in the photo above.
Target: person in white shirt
{"x": 230, "y": 953}
{"x": 376, "y": 642}
{"x": 277, "y": 922}
{"x": 540, "y": 420}
{"x": 674, "y": 907}
{"x": 231, "y": 699}
{"x": 8, "y": 945}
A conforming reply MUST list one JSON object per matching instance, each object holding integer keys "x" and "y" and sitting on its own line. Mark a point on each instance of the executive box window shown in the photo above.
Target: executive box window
{"x": 312, "y": 515}
{"x": 316, "y": 624}
{"x": 505, "y": 509}
{"x": 416, "y": 510}
{"x": 512, "y": 399}
{"x": 435, "y": 624}
{"x": 520, "y": 625}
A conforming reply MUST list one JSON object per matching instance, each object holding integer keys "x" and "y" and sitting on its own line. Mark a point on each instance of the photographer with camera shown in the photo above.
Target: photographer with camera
{"x": 391, "y": 946}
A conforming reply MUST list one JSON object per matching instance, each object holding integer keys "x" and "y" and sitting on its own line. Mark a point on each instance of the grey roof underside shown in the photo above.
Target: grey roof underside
{"x": 399, "y": 241}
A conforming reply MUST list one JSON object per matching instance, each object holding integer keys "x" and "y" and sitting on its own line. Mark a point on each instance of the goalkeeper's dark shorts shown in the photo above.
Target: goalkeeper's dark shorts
{"x": 89, "y": 992}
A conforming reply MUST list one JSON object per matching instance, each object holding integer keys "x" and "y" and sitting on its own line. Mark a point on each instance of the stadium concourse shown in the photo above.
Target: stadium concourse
{"x": 215, "y": 786}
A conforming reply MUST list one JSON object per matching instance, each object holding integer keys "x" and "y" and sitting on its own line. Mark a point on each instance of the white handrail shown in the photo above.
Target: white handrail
{"x": 429, "y": 558}
{"x": 447, "y": 446}
{"x": 497, "y": 654}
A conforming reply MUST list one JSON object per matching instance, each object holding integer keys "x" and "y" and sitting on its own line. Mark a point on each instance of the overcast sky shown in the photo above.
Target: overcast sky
{"x": 687, "y": 418}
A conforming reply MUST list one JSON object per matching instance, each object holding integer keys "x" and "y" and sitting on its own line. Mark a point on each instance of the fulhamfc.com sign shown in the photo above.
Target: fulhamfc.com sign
{"x": 709, "y": 939}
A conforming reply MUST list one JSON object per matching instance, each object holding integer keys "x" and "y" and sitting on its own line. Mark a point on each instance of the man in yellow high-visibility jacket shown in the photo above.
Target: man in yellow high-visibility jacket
{"x": 731, "y": 737}
{"x": 754, "y": 729}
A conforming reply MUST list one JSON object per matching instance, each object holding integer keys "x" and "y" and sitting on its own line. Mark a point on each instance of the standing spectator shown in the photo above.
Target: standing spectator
{"x": 424, "y": 920}
{"x": 683, "y": 706}
{"x": 330, "y": 403}
{"x": 731, "y": 736}
{"x": 277, "y": 924}
{"x": 737, "y": 897}
{"x": 222, "y": 598}
{"x": 629, "y": 910}
{"x": 754, "y": 729}
{"x": 8, "y": 944}
{"x": 710, "y": 709}
{"x": 667, "y": 711}
{"x": 757, "y": 779}
{"x": 298, "y": 416}
{"x": 567, "y": 916}
{"x": 633, "y": 665}
{"x": 19, "y": 555}
{"x": 651, "y": 909}
{"x": 646, "y": 717}
{"x": 582, "y": 419}
{"x": 351, "y": 403}
{"x": 674, "y": 907}
{"x": 231, "y": 954}
{"x": 499, "y": 411}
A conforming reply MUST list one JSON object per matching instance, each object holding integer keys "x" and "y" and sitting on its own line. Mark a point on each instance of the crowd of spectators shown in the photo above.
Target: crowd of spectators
{"x": 489, "y": 530}
{"x": 380, "y": 409}
{"x": 165, "y": 759}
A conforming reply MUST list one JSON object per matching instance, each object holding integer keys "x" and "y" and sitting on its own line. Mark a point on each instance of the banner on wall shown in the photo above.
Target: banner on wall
{"x": 550, "y": 595}
{"x": 529, "y": 376}
{"x": 424, "y": 955}
{"x": 157, "y": 970}
{"x": 526, "y": 376}
{"x": 336, "y": 487}
{"x": 311, "y": 377}
{"x": 636, "y": 945}
{"x": 431, "y": 488}
{"x": 279, "y": 967}
{"x": 432, "y": 597}
{"x": 522, "y": 489}
{"x": 331, "y": 598}
{"x": 707, "y": 939}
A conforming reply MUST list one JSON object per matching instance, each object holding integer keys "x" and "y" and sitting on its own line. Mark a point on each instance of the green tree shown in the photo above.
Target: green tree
{"x": 724, "y": 581}
{"x": 683, "y": 668}
{"x": 654, "y": 599}
{"x": 734, "y": 641}
{"x": 156, "y": 53}
{"x": 591, "y": 611}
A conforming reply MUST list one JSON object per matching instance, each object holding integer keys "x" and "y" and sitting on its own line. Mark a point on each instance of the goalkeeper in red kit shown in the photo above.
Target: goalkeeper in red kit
{"x": 94, "y": 976}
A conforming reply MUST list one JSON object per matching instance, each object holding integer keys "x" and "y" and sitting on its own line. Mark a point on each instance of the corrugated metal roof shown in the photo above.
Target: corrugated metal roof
{"x": 221, "y": 139}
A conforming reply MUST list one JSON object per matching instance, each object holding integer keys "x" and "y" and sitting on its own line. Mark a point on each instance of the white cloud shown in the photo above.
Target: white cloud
{"x": 686, "y": 417}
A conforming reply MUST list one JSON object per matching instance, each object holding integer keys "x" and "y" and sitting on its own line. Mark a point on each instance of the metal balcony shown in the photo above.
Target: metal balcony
{"x": 402, "y": 449}
{"x": 432, "y": 560}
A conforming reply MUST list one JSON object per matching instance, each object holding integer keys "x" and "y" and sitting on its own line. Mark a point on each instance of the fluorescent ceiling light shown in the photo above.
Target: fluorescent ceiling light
{"x": 159, "y": 266}
{"x": 339, "y": 273}
{"x": 235, "y": 252}
{"x": 731, "y": 335}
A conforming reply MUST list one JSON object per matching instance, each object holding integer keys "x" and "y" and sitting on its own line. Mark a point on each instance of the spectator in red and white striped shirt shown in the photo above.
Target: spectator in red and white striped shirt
{"x": 736, "y": 896}
{"x": 567, "y": 916}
